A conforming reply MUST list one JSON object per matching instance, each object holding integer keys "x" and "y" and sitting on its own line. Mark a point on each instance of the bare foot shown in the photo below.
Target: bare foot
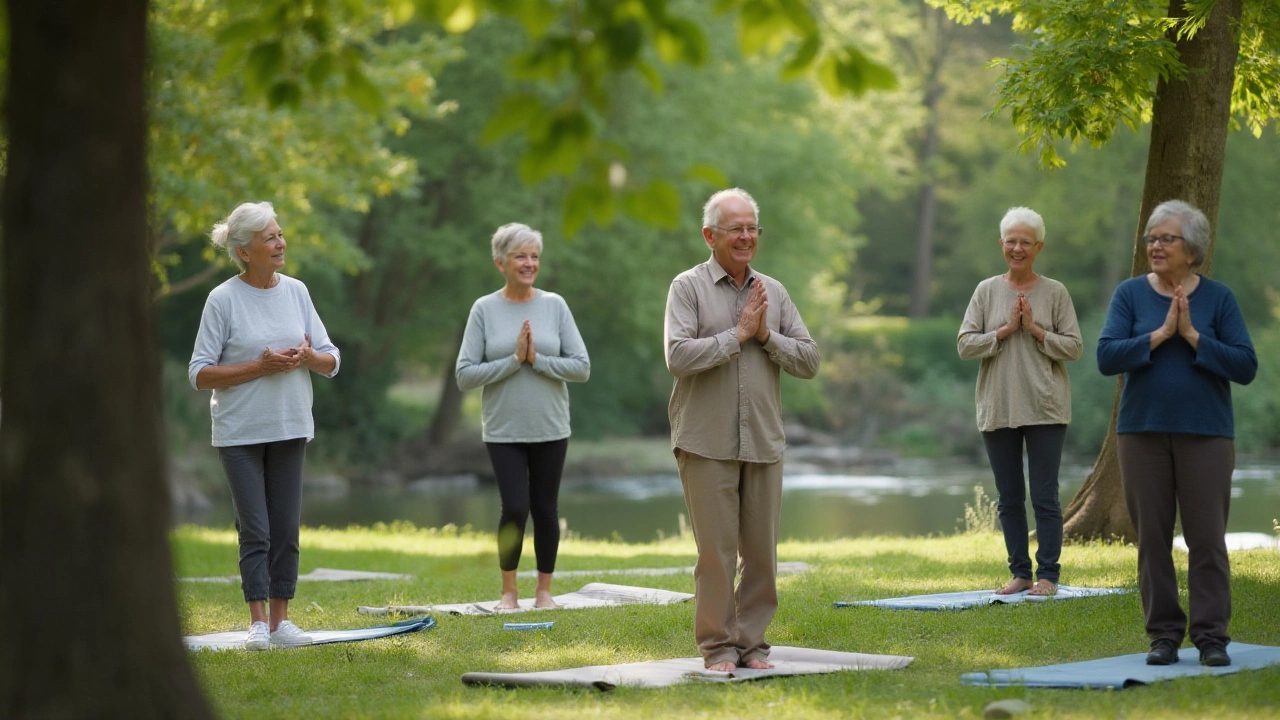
{"x": 509, "y": 601}
{"x": 1015, "y": 586}
{"x": 725, "y": 666}
{"x": 545, "y": 601}
{"x": 1044, "y": 588}
{"x": 758, "y": 664}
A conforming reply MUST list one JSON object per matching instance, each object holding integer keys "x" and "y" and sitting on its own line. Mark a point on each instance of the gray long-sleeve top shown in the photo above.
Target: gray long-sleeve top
{"x": 520, "y": 402}
{"x": 238, "y": 322}
{"x": 1021, "y": 381}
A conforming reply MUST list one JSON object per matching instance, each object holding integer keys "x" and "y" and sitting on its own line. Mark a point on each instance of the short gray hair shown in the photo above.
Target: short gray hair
{"x": 1022, "y": 216}
{"x": 237, "y": 229}
{"x": 511, "y": 236}
{"x": 1195, "y": 226}
{"x": 711, "y": 211}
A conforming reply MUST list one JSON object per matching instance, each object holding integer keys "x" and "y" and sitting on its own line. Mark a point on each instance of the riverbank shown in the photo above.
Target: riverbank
{"x": 418, "y": 675}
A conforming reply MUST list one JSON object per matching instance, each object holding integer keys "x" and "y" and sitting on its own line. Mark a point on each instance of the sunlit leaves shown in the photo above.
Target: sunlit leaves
{"x": 848, "y": 71}
{"x": 1091, "y": 65}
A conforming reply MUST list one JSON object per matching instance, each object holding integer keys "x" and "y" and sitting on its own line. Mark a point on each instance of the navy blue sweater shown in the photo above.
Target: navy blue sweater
{"x": 1175, "y": 388}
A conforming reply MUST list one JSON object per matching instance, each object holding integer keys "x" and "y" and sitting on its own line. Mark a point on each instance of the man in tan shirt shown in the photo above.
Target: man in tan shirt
{"x": 728, "y": 331}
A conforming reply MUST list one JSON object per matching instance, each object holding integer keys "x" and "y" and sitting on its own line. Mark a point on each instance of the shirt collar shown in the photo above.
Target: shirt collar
{"x": 718, "y": 273}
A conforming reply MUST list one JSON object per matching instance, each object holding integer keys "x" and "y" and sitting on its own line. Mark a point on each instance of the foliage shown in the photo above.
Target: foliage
{"x": 210, "y": 150}
{"x": 981, "y": 517}
{"x": 1089, "y": 66}
{"x": 417, "y": 675}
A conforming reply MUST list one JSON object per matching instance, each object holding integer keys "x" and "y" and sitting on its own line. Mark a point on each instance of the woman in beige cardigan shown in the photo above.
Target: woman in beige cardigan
{"x": 1023, "y": 327}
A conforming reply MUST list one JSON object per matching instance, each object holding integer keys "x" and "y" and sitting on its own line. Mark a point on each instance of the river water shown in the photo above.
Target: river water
{"x": 916, "y": 500}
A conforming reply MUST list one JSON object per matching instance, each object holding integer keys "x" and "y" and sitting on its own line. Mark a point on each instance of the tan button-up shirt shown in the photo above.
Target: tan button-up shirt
{"x": 727, "y": 401}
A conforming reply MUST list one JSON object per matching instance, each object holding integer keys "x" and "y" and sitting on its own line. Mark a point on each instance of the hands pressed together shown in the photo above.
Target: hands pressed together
{"x": 273, "y": 361}
{"x": 751, "y": 323}
{"x": 1177, "y": 322}
{"x": 1020, "y": 318}
{"x": 524, "y": 345}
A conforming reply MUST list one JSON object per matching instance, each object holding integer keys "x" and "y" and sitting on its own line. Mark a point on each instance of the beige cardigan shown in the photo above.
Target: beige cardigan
{"x": 1021, "y": 381}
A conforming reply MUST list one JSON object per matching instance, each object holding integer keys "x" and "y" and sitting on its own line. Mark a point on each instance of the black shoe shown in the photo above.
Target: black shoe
{"x": 1214, "y": 655}
{"x": 1163, "y": 652}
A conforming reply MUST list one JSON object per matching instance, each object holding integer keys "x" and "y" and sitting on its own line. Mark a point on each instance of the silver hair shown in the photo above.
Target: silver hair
{"x": 1022, "y": 216}
{"x": 711, "y": 211}
{"x": 237, "y": 229}
{"x": 513, "y": 236}
{"x": 1195, "y": 226}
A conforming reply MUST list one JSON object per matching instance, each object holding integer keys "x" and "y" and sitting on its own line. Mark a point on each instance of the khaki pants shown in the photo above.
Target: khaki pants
{"x": 734, "y": 509}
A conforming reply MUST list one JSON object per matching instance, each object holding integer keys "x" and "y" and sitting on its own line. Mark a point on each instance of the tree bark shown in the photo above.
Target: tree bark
{"x": 87, "y": 603}
{"x": 922, "y": 276}
{"x": 1189, "y": 127}
{"x": 449, "y": 406}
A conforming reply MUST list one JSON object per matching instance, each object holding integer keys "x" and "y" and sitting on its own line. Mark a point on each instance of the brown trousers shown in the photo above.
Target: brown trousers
{"x": 734, "y": 509}
{"x": 1162, "y": 473}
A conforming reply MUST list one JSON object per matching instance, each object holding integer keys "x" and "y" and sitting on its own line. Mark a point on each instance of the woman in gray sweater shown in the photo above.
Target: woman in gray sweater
{"x": 1023, "y": 327}
{"x": 521, "y": 345}
{"x": 260, "y": 339}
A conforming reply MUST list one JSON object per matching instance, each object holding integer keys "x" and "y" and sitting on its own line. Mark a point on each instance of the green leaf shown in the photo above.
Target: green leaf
{"x": 363, "y": 92}
{"x": 265, "y": 61}
{"x": 803, "y": 58}
{"x": 651, "y": 77}
{"x": 320, "y": 69}
{"x": 848, "y": 71}
{"x": 285, "y": 93}
{"x": 239, "y": 32}
{"x": 623, "y": 41}
{"x": 463, "y": 17}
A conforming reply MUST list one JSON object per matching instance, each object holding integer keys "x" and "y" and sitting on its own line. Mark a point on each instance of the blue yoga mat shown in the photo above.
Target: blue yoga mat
{"x": 234, "y": 639}
{"x": 1115, "y": 673}
{"x": 977, "y": 598}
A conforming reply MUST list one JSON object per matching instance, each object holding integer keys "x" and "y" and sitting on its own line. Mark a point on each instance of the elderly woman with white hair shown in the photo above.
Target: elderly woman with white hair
{"x": 260, "y": 339}
{"x": 1023, "y": 327}
{"x": 522, "y": 346}
{"x": 1180, "y": 340}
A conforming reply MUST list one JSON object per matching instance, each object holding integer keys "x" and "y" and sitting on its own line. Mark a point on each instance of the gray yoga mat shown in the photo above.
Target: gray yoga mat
{"x": 590, "y": 595}
{"x": 1115, "y": 673}
{"x": 976, "y": 598}
{"x": 663, "y": 673}
{"x": 317, "y": 575}
{"x": 234, "y": 640}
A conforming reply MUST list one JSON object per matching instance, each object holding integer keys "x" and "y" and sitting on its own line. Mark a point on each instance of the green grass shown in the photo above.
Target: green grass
{"x": 418, "y": 675}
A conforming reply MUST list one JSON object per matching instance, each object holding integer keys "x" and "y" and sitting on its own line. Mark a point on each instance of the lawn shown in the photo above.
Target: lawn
{"x": 418, "y": 675}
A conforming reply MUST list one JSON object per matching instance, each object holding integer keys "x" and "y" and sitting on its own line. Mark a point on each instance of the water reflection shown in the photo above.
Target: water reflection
{"x": 815, "y": 505}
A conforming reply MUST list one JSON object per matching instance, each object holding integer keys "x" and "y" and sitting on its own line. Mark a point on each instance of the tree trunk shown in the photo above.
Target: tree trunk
{"x": 449, "y": 407}
{"x": 87, "y": 603}
{"x": 1185, "y": 162}
{"x": 922, "y": 277}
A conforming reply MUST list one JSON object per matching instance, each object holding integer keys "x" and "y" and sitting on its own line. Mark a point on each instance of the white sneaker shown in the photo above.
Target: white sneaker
{"x": 259, "y": 637}
{"x": 289, "y": 635}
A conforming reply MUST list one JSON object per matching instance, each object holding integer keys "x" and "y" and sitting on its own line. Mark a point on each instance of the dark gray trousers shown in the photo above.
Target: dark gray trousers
{"x": 266, "y": 487}
{"x": 1164, "y": 473}
{"x": 1044, "y": 455}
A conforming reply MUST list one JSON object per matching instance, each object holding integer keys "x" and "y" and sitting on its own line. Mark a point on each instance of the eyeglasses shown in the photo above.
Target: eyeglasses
{"x": 1019, "y": 244}
{"x": 736, "y": 230}
{"x": 1163, "y": 240}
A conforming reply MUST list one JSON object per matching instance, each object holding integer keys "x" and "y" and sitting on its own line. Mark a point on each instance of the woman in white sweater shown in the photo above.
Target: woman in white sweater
{"x": 260, "y": 339}
{"x": 521, "y": 345}
{"x": 1023, "y": 327}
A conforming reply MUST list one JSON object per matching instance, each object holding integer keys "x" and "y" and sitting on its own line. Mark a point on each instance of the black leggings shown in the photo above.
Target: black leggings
{"x": 528, "y": 482}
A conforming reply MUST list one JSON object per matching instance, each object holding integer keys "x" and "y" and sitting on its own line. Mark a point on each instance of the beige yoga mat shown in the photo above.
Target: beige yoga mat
{"x": 784, "y": 568}
{"x": 317, "y": 575}
{"x": 590, "y": 595}
{"x": 663, "y": 673}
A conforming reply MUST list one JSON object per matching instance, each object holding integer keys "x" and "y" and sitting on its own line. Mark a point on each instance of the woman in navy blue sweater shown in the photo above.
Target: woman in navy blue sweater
{"x": 1180, "y": 340}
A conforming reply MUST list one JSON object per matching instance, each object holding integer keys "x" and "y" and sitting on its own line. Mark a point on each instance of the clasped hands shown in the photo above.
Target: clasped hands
{"x": 1177, "y": 322}
{"x": 272, "y": 361}
{"x": 1020, "y": 317}
{"x": 751, "y": 323}
{"x": 524, "y": 345}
